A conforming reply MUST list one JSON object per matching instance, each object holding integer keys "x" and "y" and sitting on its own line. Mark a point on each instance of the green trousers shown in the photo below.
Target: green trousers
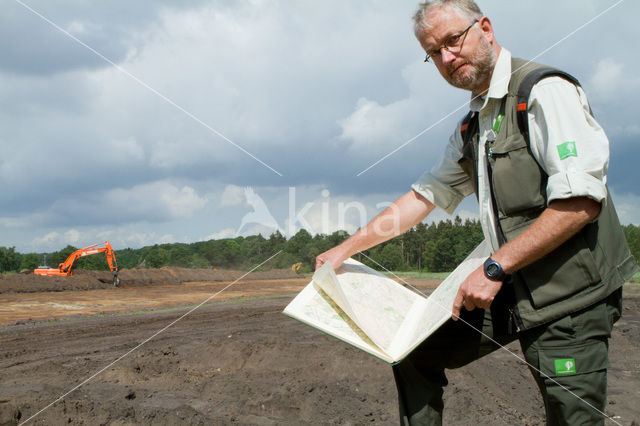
{"x": 571, "y": 352}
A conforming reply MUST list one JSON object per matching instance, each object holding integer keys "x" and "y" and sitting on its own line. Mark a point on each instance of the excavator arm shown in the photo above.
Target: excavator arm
{"x": 66, "y": 268}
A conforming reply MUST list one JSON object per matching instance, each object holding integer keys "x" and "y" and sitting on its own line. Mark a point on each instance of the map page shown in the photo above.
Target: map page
{"x": 375, "y": 302}
{"x": 313, "y": 307}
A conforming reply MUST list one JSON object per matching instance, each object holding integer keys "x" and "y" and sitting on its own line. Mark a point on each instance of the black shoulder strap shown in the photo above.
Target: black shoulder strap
{"x": 469, "y": 130}
{"x": 464, "y": 126}
{"x": 524, "y": 90}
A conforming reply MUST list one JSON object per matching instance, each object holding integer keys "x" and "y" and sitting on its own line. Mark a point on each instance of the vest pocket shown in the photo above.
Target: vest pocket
{"x": 515, "y": 176}
{"x": 562, "y": 273}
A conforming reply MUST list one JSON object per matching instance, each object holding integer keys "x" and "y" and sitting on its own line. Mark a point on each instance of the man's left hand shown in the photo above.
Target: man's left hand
{"x": 477, "y": 291}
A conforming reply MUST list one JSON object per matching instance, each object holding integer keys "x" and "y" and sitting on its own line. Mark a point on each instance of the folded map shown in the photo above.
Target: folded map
{"x": 374, "y": 313}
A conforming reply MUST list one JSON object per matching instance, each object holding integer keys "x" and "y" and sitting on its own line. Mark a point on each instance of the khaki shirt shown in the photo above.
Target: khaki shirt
{"x": 565, "y": 139}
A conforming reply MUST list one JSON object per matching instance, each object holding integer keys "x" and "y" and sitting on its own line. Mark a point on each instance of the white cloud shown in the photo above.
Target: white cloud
{"x": 371, "y": 125}
{"x": 48, "y": 239}
{"x": 140, "y": 239}
{"x": 79, "y": 28}
{"x": 158, "y": 202}
{"x": 232, "y": 196}
{"x": 16, "y": 222}
{"x": 127, "y": 148}
{"x": 633, "y": 130}
{"x": 627, "y": 207}
{"x": 607, "y": 80}
{"x": 183, "y": 202}
{"x": 314, "y": 209}
{"x": 162, "y": 200}
{"x": 378, "y": 129}
{"x": 223, "y": 233}
{"x": 325, "y": 214}
{"x": 465, "y": 210}
{"x": 120, "y": 237}
{"x": 56, "y": 239}
{"x": 72, "y": 235}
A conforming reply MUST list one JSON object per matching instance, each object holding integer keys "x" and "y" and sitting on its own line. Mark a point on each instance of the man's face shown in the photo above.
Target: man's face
{"x": 471, "y": 67}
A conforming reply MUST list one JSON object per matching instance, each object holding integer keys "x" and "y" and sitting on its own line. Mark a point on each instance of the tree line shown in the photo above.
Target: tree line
{"x": 434, "y": 248}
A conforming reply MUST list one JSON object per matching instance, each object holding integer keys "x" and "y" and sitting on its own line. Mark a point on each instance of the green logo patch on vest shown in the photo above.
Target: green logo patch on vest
{"x": 567, "y": 149}
{"x": 565, "y": 366}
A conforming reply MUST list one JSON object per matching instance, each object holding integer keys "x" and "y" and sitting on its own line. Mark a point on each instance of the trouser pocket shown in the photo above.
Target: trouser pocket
{"x": 572, "y": 360}
{"x": 572, "y": 381}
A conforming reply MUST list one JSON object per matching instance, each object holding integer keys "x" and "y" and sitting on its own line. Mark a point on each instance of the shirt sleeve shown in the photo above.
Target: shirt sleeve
{"x": 567, "y": 141}
{"x": 446, "y": 185}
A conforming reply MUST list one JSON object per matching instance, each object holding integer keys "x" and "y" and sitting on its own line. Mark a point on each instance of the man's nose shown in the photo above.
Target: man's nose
{"x": 447, "y": 57}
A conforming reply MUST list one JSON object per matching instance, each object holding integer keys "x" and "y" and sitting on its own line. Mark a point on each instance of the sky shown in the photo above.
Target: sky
{"x": 179, "y": 121}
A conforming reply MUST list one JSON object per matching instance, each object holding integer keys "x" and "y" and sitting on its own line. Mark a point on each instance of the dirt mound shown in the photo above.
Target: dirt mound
{"x": 29, "y": 283}
{"x": 141, "y": 277}
{"x": 92, "y": 280}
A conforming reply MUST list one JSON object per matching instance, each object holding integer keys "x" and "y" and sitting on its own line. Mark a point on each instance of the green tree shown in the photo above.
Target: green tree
{"x": 213, "y": 251}
{"x": 387, "y": 256}
{"x": 298, "y": 242}
{"x": 198, "y": 261}
{"x": 9, "y": 259}
{"x": 444, "y": 258}
{"x": 632, "y": 233}
{"x": 231, "y": 251}
{"x": 129, "y": 258}
{"x": 284, "y": 260}
{"x": 30, "y": 261}
{"x": 337, "y": 238}
{"x": 299, "y": 247}
{"x": 60, "y": 256}
{"x": 276, "y": 242}
{"x": 157, "y": 257}
{"x": 95, "y": 262}
{"x": 179, "y": 255}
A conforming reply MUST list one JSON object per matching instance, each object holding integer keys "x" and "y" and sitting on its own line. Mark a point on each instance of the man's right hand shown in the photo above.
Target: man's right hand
{"x": 336, "y": 256}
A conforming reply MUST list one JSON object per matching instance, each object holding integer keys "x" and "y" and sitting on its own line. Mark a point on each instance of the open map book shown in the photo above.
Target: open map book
{"x": 372, "y": 312}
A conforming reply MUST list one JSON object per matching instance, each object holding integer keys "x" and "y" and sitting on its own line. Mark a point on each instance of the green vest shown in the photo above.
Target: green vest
{"x": 586, "y": 268}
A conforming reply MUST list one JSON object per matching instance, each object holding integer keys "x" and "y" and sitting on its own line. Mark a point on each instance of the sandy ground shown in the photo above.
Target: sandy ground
{"x": 238, "y": 360}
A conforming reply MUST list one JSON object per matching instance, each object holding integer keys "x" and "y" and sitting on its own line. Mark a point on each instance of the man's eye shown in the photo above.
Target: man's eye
{"x": 453, "y": 40}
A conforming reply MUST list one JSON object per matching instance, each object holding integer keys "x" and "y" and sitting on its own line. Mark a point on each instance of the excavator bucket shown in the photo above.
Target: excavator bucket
{"x": 116, "y": 280}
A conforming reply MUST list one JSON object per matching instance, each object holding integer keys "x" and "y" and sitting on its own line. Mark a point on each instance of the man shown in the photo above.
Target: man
{"x": 538, "y": 167}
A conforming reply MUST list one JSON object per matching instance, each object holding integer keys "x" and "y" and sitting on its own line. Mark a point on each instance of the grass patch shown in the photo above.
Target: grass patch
{"x": 634, "y": 281}
{"x": 419, "y": 275}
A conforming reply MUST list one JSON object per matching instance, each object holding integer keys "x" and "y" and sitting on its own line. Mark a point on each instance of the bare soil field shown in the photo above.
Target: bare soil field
{"x": 234, "y": 360}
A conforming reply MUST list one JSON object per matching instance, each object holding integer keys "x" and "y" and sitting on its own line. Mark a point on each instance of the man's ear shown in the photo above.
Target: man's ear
{"x": 485, "y": 26}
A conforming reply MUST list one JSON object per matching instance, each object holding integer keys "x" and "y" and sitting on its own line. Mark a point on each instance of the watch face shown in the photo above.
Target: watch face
{"x": 492, "y": 269}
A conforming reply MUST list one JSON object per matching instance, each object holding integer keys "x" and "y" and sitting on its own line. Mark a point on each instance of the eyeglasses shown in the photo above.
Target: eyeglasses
{"x": 452, "y": 44}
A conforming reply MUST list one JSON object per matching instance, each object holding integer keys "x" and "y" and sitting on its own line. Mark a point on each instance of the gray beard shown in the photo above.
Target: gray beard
{"x": 482, "y": 63}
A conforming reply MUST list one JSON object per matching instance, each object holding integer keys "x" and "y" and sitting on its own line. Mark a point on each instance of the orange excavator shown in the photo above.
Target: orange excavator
{"x": 65, "y": 268}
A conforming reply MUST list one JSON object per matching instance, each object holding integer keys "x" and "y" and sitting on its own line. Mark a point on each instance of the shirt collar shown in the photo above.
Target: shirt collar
{"x": 499, "y": 84}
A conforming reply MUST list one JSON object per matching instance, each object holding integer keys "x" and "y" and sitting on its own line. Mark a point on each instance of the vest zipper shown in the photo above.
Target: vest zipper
{"x": 494, "y": 204}
{"x": 514, "y": 315}
{"x": 514, "y": 319}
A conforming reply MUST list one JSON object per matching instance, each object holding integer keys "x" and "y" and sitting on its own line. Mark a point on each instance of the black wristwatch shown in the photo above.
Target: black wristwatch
{"x": 493, "y": 270}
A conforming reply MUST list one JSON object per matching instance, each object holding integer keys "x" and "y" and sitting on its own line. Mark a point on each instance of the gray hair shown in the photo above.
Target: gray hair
{"x": 467, "y": 9}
